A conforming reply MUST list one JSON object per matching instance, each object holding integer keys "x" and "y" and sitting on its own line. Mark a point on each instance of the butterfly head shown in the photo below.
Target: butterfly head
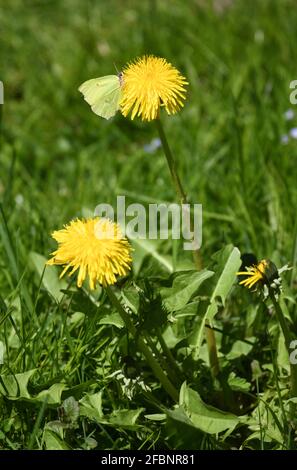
{"x": 121, "y": 78}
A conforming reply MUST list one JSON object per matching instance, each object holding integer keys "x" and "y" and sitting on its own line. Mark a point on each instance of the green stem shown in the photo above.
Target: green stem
{"x": 287, "y": 336}
{"x": 212, "y": 350}
{"x": 162, "y": 360}
{"x": 155, "y": 366}
{"x": 171, "y": 361}
{"x": 210, "y": 336}
{"x": 181, "y": 194}
{"x": 171, "y": 164}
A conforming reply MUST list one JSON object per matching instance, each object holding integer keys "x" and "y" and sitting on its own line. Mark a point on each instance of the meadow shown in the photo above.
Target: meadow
{"x": 72, "y": 374}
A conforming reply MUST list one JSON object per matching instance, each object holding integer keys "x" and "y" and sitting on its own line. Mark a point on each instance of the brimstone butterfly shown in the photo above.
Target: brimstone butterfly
{"x": 103, "y": 94}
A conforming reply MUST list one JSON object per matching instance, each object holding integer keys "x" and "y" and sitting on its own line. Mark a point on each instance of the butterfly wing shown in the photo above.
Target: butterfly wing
{"x": 110, "y": 105}
{"x": 103, "y": 95}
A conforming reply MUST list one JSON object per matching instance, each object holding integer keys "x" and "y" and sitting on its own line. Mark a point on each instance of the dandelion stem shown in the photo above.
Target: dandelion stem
{"x": 287, "y": 335}
{"x": 212, "y": 351}
{"x": 171, "y": 361}
{"x": 171, "y": 164}
{"x": 155, "y": 366}
{"x": 161, "y": 359}
{"x": 181, "y": 194}
{"x": 210, "y": 336}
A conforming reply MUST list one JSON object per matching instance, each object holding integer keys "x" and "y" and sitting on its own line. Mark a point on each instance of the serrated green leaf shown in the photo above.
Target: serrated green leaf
{"x": 51, "y": 395}
{"x": 14, "y": 387}
{"x": 53, "y": 441}
{"x": 131, "y": 298}
{"x": 239, "y": 348}
{"x": 229, "y": 262}
{"x": 205, "y": 417}
{"x": 112, "y": 319}
{"x": 125, "y": 418}
{"x": 184, "y": 286}
{"x": 71, "y": 409}
{"x": 238, "y": 383}
{"x": 91, "y": 406}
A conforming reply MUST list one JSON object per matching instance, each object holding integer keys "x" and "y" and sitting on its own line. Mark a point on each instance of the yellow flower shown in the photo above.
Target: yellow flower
{"x": 265, "y": 272}
{"x": 151, "y": 82}
{"x": 94, "y": 246}
{"x": 254, "y": 275}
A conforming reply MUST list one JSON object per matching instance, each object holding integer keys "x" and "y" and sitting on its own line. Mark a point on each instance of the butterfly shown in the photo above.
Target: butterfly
{"x": 104, "y": 94}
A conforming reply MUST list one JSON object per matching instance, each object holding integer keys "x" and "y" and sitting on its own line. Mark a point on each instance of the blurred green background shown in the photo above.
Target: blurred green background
{"x": 58, "y": 158}
{"x": 233, "y": 142}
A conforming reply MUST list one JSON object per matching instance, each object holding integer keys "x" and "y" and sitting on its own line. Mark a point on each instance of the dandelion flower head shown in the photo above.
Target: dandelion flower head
{"x": 265, "y": 272}
{"x": 150, "y": 82}
{"x": 95, "y": 248}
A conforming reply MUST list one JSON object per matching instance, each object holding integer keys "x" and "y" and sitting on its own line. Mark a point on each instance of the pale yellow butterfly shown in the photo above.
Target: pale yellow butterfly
{"x": 103, "y": 94}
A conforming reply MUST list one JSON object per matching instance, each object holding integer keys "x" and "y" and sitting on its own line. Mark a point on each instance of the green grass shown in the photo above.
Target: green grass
{"x": 58, "y": 160}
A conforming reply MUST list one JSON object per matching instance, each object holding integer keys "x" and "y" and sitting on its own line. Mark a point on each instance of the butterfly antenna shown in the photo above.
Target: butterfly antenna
{"x": 116, "y": 68}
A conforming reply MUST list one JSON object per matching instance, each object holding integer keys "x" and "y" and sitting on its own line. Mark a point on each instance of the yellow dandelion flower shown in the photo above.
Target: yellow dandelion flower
{"x": 264, "y": 272}
{"x": 150, "y": 82}
{"x": 95, "y": 247}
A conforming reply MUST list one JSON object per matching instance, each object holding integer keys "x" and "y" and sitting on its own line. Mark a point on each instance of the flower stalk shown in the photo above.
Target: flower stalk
{"x": 171, "y": 164}
{"x": 155, "y": 366}
{"x": 173, "y": 367}
{"x": 181, "y": 194}
{"x": 293, "y": 367}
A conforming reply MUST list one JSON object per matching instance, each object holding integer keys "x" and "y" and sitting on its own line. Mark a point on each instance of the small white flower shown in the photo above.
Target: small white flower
{"x": 19, "y": 199}
{"x": 289, "y": 115}
{"x": 293, "y": 133}
{"x": 152, "y": 146}
{"x": 129, "y": 386}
